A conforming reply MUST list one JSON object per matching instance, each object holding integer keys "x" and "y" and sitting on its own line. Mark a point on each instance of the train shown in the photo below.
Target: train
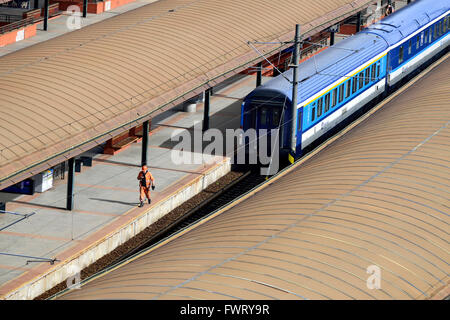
{"x": 338, "y": 81}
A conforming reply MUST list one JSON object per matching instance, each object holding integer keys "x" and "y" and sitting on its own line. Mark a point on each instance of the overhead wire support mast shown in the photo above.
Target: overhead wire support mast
{"x": 295, "y": 77}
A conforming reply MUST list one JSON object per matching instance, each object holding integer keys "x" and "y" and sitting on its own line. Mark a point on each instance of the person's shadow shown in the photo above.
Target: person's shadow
{"x": 115, "y": 201}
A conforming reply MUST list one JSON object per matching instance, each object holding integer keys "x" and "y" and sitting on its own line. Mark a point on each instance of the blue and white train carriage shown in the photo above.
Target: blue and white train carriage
{"x": 340, "y": 80}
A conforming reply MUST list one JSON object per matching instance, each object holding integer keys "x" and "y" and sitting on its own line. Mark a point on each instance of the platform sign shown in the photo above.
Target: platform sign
{"x": 44, "y": 181}
{"x": 20, "y": 35}
{"x": 107, "y": 5}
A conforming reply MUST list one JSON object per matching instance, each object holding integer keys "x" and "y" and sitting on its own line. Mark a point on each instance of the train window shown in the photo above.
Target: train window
{"x": 442, "y": 27}
{"x": 361, "y": 80}
{"x": 445, "y": 24}
{"x": 417, "y": 42}
{"x": 378, "y": 70}
{"x": 263, "y": 116}
{"x": 349, "y": 85}
{"x": 355, "y": 84}
{"x": 313, "y": 114}
{"x": 367, "y": 76}
{"x": 327, "y": 102}
{"x": 425, "y": 39}
{"x": 299, "y": 121}
{"x": 430, "y": 34}
{"x": 409, "y": 47}
{"x": 319, "y": 107}
{"x": 276, "y": 117}
{"x": 335, "y": 91}
{"x": 448, "y": 23}
{"x": 373, "y": 72}
{"x": 435, "y": 31}
{"x": 341, "y": 92}
{"x": 400, "y": 55}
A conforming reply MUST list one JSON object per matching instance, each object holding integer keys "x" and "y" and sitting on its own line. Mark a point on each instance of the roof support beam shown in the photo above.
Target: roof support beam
{"x": 70, "y": 184}
{"x": 145, "y": 127}
{"x": 259, "y": 75}
{"x": 358, "y": 22}
{"x": 85, "y": 7}
{"x": 206, "y": 109}
{"x": 46, "y": 15}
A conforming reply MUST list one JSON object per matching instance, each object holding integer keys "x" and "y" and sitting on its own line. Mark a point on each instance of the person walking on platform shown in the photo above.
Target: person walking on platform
{"x": 145, "y": 181}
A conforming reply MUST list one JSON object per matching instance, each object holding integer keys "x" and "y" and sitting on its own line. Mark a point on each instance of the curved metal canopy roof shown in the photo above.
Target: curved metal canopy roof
{"x": 377, "y": 197}
{"x": 66, "y": 95}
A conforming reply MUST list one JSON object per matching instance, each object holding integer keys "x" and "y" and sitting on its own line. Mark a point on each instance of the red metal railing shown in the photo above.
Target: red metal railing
{"x": 17, "y": 25}
{"x": 53, "y": 10}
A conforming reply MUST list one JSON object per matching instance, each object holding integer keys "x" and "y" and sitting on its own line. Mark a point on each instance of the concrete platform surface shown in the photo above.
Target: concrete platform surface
{"x": 106, "y": 199}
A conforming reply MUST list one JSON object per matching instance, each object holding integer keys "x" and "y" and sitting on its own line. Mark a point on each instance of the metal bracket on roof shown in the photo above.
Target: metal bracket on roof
{"x": 254, "y": 48}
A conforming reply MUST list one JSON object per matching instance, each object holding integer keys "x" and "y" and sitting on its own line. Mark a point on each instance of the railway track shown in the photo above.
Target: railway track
{"x": 228, "y": 194}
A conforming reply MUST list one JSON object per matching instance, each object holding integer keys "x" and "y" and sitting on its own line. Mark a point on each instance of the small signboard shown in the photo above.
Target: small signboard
{"x": 44, "y": 181}
{"x": 107, "y": 5}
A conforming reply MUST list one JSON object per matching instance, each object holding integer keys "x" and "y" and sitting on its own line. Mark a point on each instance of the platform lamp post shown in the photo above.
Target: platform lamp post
{"x": 295, "y": 66}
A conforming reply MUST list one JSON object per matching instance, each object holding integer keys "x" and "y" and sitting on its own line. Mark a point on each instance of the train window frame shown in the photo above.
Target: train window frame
{"x": 361, "y": 80}
{"x": 349, "y": 88}
{"x": 367, "y": 76}
{"x": 355, "y": 84}
{"x": 334, "y": 100}
{"x": 260, "y": 116}
{"x": 327, "y": 102}
{"x": 319, "y": 107}
{"x": 400, "y": 55}
{"x": 278, "y": 116}
{"x": 341, "y": 92}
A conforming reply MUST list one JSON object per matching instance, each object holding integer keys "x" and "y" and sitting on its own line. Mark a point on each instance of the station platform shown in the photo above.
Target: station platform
{"x": 58, "y": 26}
{"x": 105, "y": 211}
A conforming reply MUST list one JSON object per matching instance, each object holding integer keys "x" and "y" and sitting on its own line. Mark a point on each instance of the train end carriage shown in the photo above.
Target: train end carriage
{"x": 332, "y": 85}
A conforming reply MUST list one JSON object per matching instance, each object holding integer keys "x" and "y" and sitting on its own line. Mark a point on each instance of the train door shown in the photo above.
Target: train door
{"x": 268, "y": 118}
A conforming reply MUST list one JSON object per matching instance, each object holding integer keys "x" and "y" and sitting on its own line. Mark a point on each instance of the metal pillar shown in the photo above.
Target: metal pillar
{"x": 144, "y": 143}
{"x": 206, "y": 109}
{"x": 70, "y": 184}
{"x": 259, "y": 75}
{"x": 358, "y": 22}
{"x": 295, "y": 66}
{"x": 331, "y": 38}
{"x": 45, "y": 15}
{"x": 85, "y": 7}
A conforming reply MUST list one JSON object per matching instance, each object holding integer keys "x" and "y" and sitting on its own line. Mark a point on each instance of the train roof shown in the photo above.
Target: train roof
{"x": 407, "y": 20}
{"x": 317, "y": 73}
